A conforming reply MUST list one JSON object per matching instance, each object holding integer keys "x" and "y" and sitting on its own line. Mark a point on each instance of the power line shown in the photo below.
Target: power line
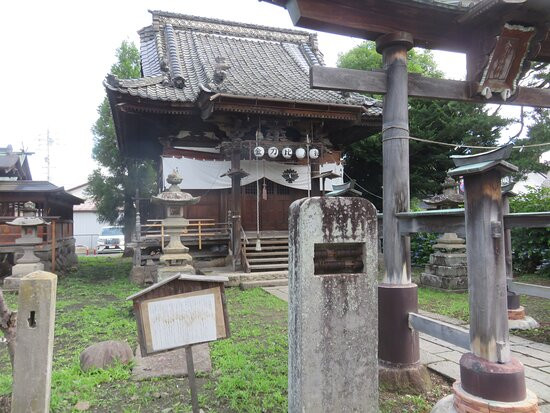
{"x": 458, "y": 145}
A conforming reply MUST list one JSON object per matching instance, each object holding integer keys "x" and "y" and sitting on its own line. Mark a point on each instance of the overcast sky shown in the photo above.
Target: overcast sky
{"x": 55, "y": 55}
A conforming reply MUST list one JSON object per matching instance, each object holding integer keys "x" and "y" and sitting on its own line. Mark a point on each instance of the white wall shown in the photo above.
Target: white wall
{"x": 87, "y": 228}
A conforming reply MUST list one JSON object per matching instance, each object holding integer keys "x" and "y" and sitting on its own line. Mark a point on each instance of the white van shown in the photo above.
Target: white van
{"x": 111, "y": 239}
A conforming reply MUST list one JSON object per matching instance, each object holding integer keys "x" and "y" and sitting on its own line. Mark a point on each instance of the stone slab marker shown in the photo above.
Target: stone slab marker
{"x": 34, "y": 343}
{"x": 333, "y": 310}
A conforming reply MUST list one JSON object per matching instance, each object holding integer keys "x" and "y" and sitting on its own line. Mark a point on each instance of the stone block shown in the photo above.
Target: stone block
{"x": 444, "y": 283}
{"x": 143, "y": 275}
{"x": 35, "y": 333}
{"x": 440, "y": 258}
{"x": 333, "y": 312}
{"x": 446, "y": 271}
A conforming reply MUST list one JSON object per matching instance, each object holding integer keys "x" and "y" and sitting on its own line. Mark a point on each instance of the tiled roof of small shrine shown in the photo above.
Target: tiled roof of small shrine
{"x": 183, "y": 55}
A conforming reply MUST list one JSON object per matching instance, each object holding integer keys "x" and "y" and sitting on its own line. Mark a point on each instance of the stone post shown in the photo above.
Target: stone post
{"x": 332, "y": 306}
{"x": 399, "y": 353}
{"x": 34, "y": 343}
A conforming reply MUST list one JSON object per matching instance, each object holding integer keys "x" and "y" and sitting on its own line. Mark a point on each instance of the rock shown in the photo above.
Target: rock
{"x": 104, "y": 354}
{"x": 445, "y": 405}
{"x": 82, "y": 406}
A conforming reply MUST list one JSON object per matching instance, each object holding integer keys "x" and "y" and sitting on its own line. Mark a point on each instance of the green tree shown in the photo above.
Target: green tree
{"x": 450, "y": 122}
{"x": 113, "y": 185}
{"x": 531, "y": 246}
{"x": 529, "y": 159}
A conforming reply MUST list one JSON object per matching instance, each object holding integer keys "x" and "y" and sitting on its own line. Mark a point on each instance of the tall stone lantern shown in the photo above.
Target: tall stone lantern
{"x": 29, "y": 239}
{"x": 175, "y": 256}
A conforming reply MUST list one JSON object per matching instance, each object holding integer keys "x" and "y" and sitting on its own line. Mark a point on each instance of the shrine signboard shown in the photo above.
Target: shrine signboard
{"x": 180, "y": 311}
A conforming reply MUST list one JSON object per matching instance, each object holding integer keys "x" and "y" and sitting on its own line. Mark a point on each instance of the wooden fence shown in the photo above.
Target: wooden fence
{"x": 198, "y": 231}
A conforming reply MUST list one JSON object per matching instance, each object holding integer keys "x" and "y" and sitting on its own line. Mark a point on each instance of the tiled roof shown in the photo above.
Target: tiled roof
{"x": 231, "y": 58}
{"x": 38, "y": 186}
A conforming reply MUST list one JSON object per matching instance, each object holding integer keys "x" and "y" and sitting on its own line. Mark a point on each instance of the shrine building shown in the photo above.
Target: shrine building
{"x": 230, "y": 106}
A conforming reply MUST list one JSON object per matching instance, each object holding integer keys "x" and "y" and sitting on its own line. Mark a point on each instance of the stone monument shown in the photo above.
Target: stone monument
{"x": 28, "y": 262}
{"x": 447, "y": 268}
{"x": 333, "y": 306}
{"x": 175, "y": 256}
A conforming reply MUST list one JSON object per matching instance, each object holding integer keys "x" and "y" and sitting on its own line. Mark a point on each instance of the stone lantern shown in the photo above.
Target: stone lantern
{"x": 29, "y": 239}
{"x": 175, "y": 256}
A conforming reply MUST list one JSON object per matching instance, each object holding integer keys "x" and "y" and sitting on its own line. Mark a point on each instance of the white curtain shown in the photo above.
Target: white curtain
{"x": 200, "y": 174}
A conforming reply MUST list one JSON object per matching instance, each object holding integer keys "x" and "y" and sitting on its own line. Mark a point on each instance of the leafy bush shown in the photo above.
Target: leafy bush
{"x": 421, "y": 247}
{"x": 531, "y": 246}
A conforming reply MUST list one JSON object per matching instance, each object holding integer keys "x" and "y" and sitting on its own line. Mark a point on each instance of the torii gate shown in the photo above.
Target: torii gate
{"x": 499, "y": 37}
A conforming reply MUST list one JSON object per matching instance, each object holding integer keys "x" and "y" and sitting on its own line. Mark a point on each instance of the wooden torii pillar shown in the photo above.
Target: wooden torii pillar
{"x": 398, "y": 348}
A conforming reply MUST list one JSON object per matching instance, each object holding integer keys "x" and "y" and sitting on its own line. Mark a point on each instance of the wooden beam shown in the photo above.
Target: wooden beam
{"x": 329, "y": 78}
{"x": 527, "y": 220}
{"x": 451, "y": 220}
{"x": 458, "y": 336}
{"x": 432, "y": 27}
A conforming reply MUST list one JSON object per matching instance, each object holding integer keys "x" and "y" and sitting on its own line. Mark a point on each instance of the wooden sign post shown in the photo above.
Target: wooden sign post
{"x": 181, "y": 311}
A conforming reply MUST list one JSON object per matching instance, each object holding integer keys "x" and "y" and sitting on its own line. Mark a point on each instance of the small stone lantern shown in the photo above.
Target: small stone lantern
{"x": 175, "y": 256}
{"x": 29, "y": 239}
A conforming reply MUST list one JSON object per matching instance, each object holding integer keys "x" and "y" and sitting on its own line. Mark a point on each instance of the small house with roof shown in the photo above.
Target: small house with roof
{"x": 53, "y": 204}
{"x": 229, "y": 105}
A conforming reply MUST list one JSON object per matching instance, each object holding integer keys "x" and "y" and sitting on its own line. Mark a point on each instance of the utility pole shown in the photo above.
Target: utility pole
{"x": 49, "y": 142}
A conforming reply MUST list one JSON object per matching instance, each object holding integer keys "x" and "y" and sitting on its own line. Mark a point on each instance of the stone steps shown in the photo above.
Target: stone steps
{"x": 252, "y": 248}
{"x": 267, "y": 254}
{"x": 267, "y": 259}
{"x": 261, "y": 267}
{"x": 273, "y": 255}
{"x": 235, "y": 279}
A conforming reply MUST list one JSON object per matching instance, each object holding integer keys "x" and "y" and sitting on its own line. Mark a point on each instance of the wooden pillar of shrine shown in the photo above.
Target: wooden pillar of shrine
{"x": 399, "y": 354}
{"x": 236, "y": 174}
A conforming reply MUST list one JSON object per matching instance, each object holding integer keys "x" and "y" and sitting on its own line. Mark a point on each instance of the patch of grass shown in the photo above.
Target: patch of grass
{"x": 446, "y": 303}
{"x": 456, "y": 305}
{"x": 252, "y": 363}
{"x": 249, "y": 368}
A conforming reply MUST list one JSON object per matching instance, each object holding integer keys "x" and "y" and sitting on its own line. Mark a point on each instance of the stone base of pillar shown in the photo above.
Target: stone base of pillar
{"x": 517, "y": 320}
{"x": 18, "y": 271}
{"x": 409, "y": 379}
{"x": 527, "y": 323}
{"x": 463, "y": 402}
{"x": 516, "y": 314}
{"x": 165, "y": 272}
